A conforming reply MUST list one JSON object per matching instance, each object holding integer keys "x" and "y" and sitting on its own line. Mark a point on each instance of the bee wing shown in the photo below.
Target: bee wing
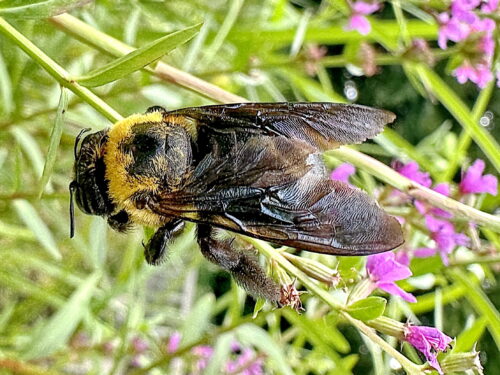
{"x": 323, "y": 125}
{"x": 267, "y": 189}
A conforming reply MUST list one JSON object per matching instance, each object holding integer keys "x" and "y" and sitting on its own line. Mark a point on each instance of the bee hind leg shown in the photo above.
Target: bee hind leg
{"x": 155, "y": 250}
{"x": 245, "y": 270}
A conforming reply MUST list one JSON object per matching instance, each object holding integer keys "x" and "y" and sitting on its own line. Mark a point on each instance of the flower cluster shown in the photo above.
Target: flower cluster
{"x": 468, "y": 22}
{"x": 428, "y": 340}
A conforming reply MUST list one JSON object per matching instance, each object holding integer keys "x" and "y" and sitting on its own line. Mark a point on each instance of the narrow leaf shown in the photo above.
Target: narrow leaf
{"x": 197, "y": 321}
{"x": 480, "y": 302}
{"x": 30, "y": 217}
{"x": 462, "y": 114}
{"x": 38, "y": 8}
{"x": 55, "y": 138}
{"x": 368, "y": 308}
{"x": 139, "y": 58}
{"x": 59, "y": 328}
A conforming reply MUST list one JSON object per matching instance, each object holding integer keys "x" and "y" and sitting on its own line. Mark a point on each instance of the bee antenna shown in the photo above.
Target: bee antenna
{"x": 77, "y": 141}
{"x": 72, "y": 188}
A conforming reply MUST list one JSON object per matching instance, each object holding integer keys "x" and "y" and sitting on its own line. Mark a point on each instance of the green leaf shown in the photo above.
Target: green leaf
{"x": 139, "y": 58}
{"x": 259, "y": 305}
{"x": 196, "y": 323}
{"x": 33, "y": 221}
{"x": 6, "y": 94}
{"x": 37, "y": 8}
{"x": 368, "y": 308}
{"x": 55, "y": 138}
{"x": 55, "y": 334}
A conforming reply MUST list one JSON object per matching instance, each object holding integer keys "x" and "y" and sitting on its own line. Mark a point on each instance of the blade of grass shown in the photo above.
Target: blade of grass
{"x": 479, "y": 301}
{"x": 138, "y": 58}
{"x": 33, "y": 221}
{"x": 459, "y": 110}
{"x": 59, "y": 328}
{"x": 38, "y": 8}
{"x": 465, "y": 139}
{"x": 55, "y": 138}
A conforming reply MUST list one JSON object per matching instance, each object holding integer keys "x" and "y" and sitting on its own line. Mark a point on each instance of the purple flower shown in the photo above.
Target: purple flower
{"x": 139, "y": 345}
{"x": 411, "y": 171}
{"x": 473, "y": 180}
{"x": 358, "y": 21}
{"x": 384, "y": 270}
{"x": 451, "y": 29}
{"x": 480, "y": 74}
{"x": 444, "y": 235}
{"x": 343, "y": 172}
{"x": 429, "y": 341}
{"x": 174, "y": 342}
{"x": 490, "y": 6}
{"x": 247, "y": 363}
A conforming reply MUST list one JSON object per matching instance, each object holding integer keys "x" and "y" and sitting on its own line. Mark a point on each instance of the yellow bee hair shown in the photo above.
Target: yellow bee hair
{"x": 122, "y": 185}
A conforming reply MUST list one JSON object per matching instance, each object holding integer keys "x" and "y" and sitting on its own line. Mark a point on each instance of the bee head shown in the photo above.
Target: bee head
{"x": 90, "y": 186}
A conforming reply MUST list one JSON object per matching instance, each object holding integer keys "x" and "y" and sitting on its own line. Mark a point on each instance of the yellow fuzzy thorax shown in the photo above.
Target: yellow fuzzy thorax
{"x": 122, "y": 185}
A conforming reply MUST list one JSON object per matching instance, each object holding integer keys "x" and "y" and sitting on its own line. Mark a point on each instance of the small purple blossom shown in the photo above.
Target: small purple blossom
{"x": 343, "y": 172}
{"x": 451, "y": 29}
{"x": 411, "y": 171}
{"x": 139, "y": 345}
{"x": 247, "y": 363}
{"x": 173, "y": 342}
{"x": 480, "y": 73}
{"x": 358, "y": 21}
{"x": 473, "y": 180}
{"x": 203, "y": 352}
{"x": 464, "y": 23}
{"x": 384, "y": 270}
{"x": 428, "y": 340}
{"x": 444, "y": 235}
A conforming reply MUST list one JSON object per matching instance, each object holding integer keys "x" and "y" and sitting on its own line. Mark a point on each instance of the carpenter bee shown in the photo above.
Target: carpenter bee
{"x": 252, "y": 168}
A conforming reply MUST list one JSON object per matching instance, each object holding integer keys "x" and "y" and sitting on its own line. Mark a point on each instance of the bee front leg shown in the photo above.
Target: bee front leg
{"x": 156, "y": 248}
{"x": 245, "y": 270}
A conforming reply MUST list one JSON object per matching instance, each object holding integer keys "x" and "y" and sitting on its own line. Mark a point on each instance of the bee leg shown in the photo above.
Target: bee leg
{"x": 245, "y": 270}
{"x": 155, "y": 250}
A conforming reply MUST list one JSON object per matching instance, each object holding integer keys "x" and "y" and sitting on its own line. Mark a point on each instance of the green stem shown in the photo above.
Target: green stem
{"x": 414, "y": 189}
{"x": 57, "y": 72}
{"x": 272, "y": 254}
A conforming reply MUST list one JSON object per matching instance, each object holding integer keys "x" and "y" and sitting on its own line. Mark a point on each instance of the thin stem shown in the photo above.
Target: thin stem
{"x": 414, "y": 189}
{"x": 57, "y": 71}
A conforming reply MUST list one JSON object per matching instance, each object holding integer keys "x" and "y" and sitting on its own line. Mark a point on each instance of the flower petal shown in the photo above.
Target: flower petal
{"x": 392, "y": 288}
